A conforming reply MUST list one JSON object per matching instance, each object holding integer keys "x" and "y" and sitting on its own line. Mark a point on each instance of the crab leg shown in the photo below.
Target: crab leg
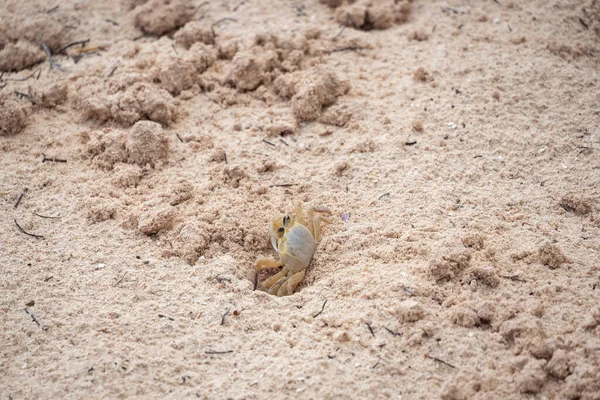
{"x": 277, "y": 285}
{"x": 264, "y": 263}
{"x": 314, "y": 221}
{"x": 299, "y": 211}
{"x": 288, "y": 287}
{"x": 268, "y": 284}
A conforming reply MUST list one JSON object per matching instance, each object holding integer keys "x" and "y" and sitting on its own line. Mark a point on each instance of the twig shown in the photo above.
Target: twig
{"x": 164, "y": 316}
{"x": 255, "y": 280}
{"x": 212, "y": 27}
{"x": 83, "y": 43}
{"x": 20, "y": 197}
{"x": 49, "y": 55}
{"x": 234, "y": 8}
{"x": 39, "y": 71}
{"x": 48, "y": 278}
{"x": 347, "y": 48}
{"x": 32, "y": 317}
{"x": 46, "y": 216}
{"x": 392, "y": 332}
{"x": 52, "y": 9}
{"x": 112, "y": 71}
{"x": 509, "y": 27}
{"x": 269, "y": 143}
{"x": 370, "y": 329}
{"x": 440, "y": 361}
{"x": 22, "y": 95}
{"x": 376, "y": 364}
{"x": 346, "y": 23}
{"x": 120, "y": 280}
{"x": 583, "y": 149}
{"x": 223, "y": 316}
{"x": 218, "y": 352}
{"x": 284, "y": 142}
{"x": 205, "y": 3}
{"x": 339, "y": 33}
{"x": 179, "y": 137}
{"x": 383, "y": 195}
{"x": 27, "y": 233}
{"x": 411, "y": 143}
{"x": 454, "y": 10}
{"x": 53, "y": 159}
{"x": 322, "y": 308}
{"x": 112, "y": 21}
{"x": 283, "y": 185}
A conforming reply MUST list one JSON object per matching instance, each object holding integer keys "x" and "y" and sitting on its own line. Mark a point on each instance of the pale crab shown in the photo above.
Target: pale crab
{"x": 295, "y": 239}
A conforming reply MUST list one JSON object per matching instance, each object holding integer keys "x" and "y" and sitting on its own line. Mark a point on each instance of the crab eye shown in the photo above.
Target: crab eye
{"x": 280, "y": 229}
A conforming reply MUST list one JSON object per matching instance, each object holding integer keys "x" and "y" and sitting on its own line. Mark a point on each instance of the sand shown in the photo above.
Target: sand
{"x": 457, "y": 144}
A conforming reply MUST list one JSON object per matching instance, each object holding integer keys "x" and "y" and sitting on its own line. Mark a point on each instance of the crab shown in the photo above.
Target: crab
{"x": 295, "y": 239}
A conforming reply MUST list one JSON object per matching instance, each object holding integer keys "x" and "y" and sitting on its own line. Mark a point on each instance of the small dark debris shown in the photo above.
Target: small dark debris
{"x": 21, "y": 197}
{"x": 32, "y": 317}
{"x": 223, "y": 316}
{"x": 515, "y": 278}
{"x": 52, "y": 159}
{"x": 394, "y": 333}
{"x": 322, "y": 308}
{"x": 218, "y": 352}
{"x": 27, "y": 233}
{"x": 370, "y": 329}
